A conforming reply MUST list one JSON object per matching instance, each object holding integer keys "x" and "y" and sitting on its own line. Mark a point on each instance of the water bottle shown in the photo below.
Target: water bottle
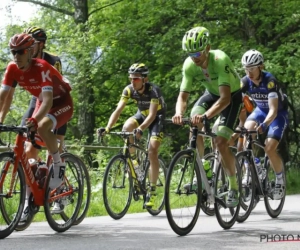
{"x": 139, "y": 173}
{"x": 41, "y": 174}
{"x": 258, "y": 165}
{"x": 207, "y": 169}
{"x": 33, "y": 165}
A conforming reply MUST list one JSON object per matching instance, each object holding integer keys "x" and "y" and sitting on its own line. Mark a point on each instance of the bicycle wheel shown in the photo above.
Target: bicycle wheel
{"x": 86, "y": 183}
{"x": 117, "y": 187}
{"x": 182, "y": 194}
{"x": 68, "y": 196}
{"x": 11, "y": 201}
{"x": 273, "y": 207}
{"x": 33, "y": 209}
{"x": 226, "y": 216}
{"x": 207, "y": 207}
{"x": 160, "y": 187}
{"x": 248, "y": 188}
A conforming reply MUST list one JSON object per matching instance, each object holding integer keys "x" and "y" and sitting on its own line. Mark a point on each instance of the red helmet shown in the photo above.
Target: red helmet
{"x": 21, "y": 41}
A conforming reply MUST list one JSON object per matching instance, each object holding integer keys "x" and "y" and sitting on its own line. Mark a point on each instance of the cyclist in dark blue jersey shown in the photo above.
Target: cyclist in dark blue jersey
{"x": 270, "y": 113}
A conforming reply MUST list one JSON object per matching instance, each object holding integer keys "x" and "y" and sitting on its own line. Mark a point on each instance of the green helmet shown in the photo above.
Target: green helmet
{"x": 195, "y": 40}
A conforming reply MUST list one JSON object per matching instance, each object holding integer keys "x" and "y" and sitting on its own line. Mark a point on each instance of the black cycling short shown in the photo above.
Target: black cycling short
{"x": 229, "y": 117}
{"x": 155, "y": 128}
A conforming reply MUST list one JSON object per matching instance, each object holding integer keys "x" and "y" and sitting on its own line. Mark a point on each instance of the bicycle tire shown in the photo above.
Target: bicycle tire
{"x": 221, "y": 187}
{"x": 160, "y": 187}
{"x": 112, "y": 200}
{"x": 270, "y": 183}
{"x": 86, "y": 194}
{"x": 248, "y": 190}
{"x": 205, "y": 206}
{"x": 73, "y": 182}
{"x": 180, "y": 170}
{"x": 33, "y": 209}
{"x": 9, "y": 216}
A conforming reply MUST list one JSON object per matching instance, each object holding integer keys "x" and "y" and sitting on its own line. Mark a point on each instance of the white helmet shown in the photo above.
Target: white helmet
{"x": 252, "y": 58}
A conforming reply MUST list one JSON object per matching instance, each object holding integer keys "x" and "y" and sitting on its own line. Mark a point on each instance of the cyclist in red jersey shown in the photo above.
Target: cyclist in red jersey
{"x": 54, "y": 105}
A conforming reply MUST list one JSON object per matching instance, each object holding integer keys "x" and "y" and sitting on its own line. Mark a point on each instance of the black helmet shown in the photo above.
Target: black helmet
{"x": 37, "y": 33}
{"x": 138, "y": 68}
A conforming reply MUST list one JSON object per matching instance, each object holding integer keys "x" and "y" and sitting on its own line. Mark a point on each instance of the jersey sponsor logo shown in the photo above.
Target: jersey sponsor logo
{"x": 31, "y": 87}
{"x": 273, "y": 95}
{"x": 62, "y": 110}
{"x": 259, "y": 96}
{"x": 275, "y": 128}
{"x": 144, "y": 102}
{"x": 45, "y": 76}
{"x": 271, "y": 85}
{"x": 39, "y": 65}
{"x": 47, "y": 89}
{"x": 32, "y": 81}
{"x": 57, "y": 66}
{"x": 230, "y": 70}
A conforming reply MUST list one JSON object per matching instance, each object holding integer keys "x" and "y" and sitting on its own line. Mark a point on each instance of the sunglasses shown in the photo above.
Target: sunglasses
{"x": 196, "y": 54}
{"x": 132, "y": 79}
{"x": 19, "y": 52}
{"x": 250, "y": 69}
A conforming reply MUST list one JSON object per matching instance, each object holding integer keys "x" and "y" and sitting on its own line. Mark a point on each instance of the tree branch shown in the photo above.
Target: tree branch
{"x": 92, "y": 12}
{"x": 63, "y": 11}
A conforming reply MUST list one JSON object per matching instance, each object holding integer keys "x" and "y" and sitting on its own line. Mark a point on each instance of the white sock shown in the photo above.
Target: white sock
{"x": 56, "y": 158}
{"x": 279, "y": 178}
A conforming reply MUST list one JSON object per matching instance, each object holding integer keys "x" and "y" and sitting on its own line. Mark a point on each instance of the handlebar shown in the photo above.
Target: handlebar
{"x": 20, "y": 130}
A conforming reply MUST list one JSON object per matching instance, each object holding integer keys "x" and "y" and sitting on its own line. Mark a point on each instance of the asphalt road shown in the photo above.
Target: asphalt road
{"x": 143, "y": 231}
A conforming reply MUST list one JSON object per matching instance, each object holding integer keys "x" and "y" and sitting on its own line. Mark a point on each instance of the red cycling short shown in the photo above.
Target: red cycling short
{"x": 61, "y": 110}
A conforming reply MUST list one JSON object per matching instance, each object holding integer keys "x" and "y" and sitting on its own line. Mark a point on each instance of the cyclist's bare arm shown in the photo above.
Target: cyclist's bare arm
{"x": 273, "y": 110}
{"x": 45, "y": 106}
{"x": 116, "y": 114}
{"x": 8, "y": 101}
{"x": 221, "y": 103}
{"x": 181, "y": 105}
{"x": 3, "y": 106}
{"x": 151, "y": 117}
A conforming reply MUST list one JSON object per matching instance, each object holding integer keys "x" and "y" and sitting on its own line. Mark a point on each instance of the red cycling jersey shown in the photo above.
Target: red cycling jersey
{"x": 40, "y": 77}
{"x": 43, "y": 77}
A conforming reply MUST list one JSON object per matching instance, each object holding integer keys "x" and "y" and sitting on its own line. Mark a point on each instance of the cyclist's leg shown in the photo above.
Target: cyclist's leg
{"x": 60, "y": 135}
{"x": 228, "y": 121}
{"x": 276, "y": 130}
{"x": 130, "y": 124}
{"x": 200, "y": 107}
{"x": 255, "y": 118}
{"x": 155, "y": 141}
{"x": 59, "y": 114}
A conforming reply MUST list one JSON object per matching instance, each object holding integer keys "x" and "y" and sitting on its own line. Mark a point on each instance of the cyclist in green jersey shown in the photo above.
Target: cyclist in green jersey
{"x": 223, "y": 96}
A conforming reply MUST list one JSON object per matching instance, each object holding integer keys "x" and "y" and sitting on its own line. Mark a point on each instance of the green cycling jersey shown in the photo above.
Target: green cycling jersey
{"x": 220, "y": 72}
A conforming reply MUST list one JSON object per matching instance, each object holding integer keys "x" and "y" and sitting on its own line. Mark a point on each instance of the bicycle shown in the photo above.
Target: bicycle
{"x": 16, "y": 173}
{"x": 121, "y": 181}
{"x": 260, "y": 183}
{"x": 86, "y": 185}
{"x": 186, "y": 168}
